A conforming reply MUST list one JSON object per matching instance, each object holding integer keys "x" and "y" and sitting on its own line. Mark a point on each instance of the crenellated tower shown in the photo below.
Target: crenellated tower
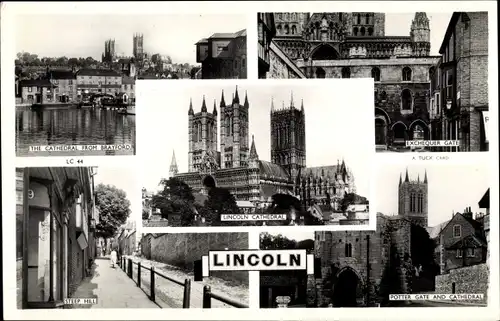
{"x": 413, "y": 199}
{"x": 288, "y": 137}
{"x": 202, "y": 135}
{"x": 234, "y": 131}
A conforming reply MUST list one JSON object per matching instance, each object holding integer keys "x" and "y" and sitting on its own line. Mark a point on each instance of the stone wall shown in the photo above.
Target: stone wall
{"x": 471, "y": 279}
{"x": 183, "y": 249}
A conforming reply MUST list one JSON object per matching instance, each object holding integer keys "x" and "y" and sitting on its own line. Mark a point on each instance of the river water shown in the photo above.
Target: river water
{"x": 72, "y": 126}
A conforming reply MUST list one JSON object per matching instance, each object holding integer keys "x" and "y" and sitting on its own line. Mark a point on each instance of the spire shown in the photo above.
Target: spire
{"x": 203, "y": 105}
{"x": 246, "y": 100}
{"x": 400, "y": 179}
{"x": 302, "y": 105}
{"x": 214, "y": 112}
{"x": 425, "y": 177}
{"x": 253, "y": 150}
{"x": 236, "y": 98}
{"x": 222, "y": 102}
{"x": 173, "y": 165}
{"x": 272, "y": 104}
{"x": 407, "y": 179}
{"x": 191, "y": 112}
{"x": 291, "y": 100}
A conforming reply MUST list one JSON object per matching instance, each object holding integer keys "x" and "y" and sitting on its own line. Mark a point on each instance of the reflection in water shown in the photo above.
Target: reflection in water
{"x": 87, "y": 126}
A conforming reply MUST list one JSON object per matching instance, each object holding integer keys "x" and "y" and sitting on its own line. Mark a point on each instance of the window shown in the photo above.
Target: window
{"x": 348, "y": 250}
{"x": 294, "y": 29}
{"x": 362, "y": 31}
{"x": 459, "y": 253}
{"x": 420, "y": 208}
{"x": 457, "y": 231}
{"x": 412, "y": 202}
{"x": 359, "y": 19}
{"x": 367, "y": 18}
{"x": 376, "y": 74}
{"x": 370, "y": 31}
{"x": 471, "y": 252}
{"x": 406, "y": 100}
{"x": 287, "y": 29}
{"x": 30, "y": 89}
{"x": 346, "y": 72}
{"x": 406, "y": 74}
{"x": 355, "y": 31}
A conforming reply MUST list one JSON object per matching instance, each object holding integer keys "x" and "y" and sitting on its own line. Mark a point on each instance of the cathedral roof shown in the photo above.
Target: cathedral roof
{"x": 268, "y": 170}
{"x": 318, "y": 171}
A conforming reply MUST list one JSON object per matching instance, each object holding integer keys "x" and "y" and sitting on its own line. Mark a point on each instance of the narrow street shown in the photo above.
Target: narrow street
{"x": 112, "y": 288}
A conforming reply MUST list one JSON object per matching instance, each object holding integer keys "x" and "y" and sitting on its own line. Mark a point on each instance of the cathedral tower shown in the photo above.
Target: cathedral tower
{"x": 173, "y": 166}
{"x": 202, "y": 135}
{"x": 138, "y": 46}
{"x": 288, "y": 137}
{"x": 413, "y": 198}
{"x": 234, "y": 131}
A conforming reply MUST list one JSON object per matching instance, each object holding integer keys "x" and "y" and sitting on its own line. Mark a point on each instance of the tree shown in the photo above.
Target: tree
{"x": 114, "y": 209}
{"x": 176, "y": 198}
{"x": 220, "y": 201}
{"x": 278, "y": 242}
{"x": 350, "y": 199}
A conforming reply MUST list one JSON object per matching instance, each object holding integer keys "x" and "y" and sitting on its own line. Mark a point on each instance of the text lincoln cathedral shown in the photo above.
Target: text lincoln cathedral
{"x": 234, "y": 164}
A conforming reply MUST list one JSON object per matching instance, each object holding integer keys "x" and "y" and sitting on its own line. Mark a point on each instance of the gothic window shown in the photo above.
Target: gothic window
{"x": 348, "y": 250}
{"x": 406, "y": 99}
{"x": 279, "y": 29}
{"x": 199, "y": 132}
{"x": 346, "y": 72}
{"x": 376, "y": 74}
{"x": 367, "y": 18}
{"x": 412, "y": 202}
{"x": 362, "y": 31}
{"x": 406, "y": 74}
{"x": 228, "y": 127}
{"x": 287, "y": 29}
{"x": 370, "y": 31}
{"x": 457, "y": 231}
{"x": 294, "y": 29}
{"x": 359, "y": 19}
{"x": 420, "y": 203}
{"x": 355, "y": 31}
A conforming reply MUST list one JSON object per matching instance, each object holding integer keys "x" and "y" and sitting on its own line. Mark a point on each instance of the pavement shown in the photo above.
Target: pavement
{"x": 112, "y": 288}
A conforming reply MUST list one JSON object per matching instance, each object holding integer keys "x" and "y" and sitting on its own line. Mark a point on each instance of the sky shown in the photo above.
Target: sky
{"x": 174, "y": 35}
{"x": 84, "y": 35}
{"x": 124, "y": 179}
{"x": 338, "y": 113}
{"x": 450, "y": 188}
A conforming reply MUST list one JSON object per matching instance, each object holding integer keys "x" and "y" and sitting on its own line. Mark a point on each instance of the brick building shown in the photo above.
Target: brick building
{"x": 354, "y": 45}
{"x": 64, "y": 85}
{"x": 102, "y": 81}
{"x": 223, "y": 56}
{"x": 460, "y": 82}
{"x": 56, "y": 219}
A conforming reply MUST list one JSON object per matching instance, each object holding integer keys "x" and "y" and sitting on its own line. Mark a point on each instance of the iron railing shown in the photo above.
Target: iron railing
{"x": 127, "y": 266}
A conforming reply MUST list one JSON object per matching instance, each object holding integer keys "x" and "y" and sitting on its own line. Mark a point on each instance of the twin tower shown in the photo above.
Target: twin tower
{"x": 287, "y": 135}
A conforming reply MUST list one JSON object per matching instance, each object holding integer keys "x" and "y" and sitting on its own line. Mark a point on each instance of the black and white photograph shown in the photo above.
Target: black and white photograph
{"x": 431, "y": 241}
{"x": 70, "y": 222}
{"x": 254, "y": 154}
{"x": 430, "y": 70}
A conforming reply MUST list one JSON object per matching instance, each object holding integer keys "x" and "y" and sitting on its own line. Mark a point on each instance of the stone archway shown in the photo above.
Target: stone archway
{"x": 347, "y": 291}
{"x": 209, "y": 182}
{"x": 380, "y": 131}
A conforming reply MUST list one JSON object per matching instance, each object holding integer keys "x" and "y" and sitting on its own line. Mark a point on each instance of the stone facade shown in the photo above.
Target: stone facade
{"x": 183, "y": 249}
{"x": 239, "y": 169}
{"x": 354, "y": 45}
{"x": 471, "y": 279}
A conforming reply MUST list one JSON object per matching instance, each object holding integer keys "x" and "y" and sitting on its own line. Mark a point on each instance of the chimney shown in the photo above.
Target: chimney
{"x": 467, "y": 213}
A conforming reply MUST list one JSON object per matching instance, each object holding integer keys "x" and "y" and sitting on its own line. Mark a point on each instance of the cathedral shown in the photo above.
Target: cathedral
{"x": 355, "y": 260}
{"x": 234, "y": 164}
{"x": 354, "y": 45}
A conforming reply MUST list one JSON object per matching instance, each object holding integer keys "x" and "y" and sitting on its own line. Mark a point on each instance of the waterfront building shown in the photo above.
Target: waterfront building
{"x": 36, "y": 91}
{"x": 102, "y": 81}
{"x": 64, "y": 85}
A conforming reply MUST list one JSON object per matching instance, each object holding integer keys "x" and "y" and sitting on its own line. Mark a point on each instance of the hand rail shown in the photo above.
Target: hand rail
{"x": 208, "y": 296}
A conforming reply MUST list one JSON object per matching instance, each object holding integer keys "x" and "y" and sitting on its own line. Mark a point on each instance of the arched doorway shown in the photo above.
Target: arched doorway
{"x": 347, "y": 290}
{"x": 325, "y": 52}
{"x": 399, "y": 131}
{"x": 320, "y": 73}
{"x": 380, "y": 131}
{"x": 209, "y": 182}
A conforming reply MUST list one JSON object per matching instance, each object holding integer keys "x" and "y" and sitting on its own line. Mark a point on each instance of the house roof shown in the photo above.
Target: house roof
{"x": 467, "y": 242}
{"x": 97, "y": 72}
{"x": 62, "y": 74}
{"x": 436, "y": 230}
{"x": 36, "y": 82}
